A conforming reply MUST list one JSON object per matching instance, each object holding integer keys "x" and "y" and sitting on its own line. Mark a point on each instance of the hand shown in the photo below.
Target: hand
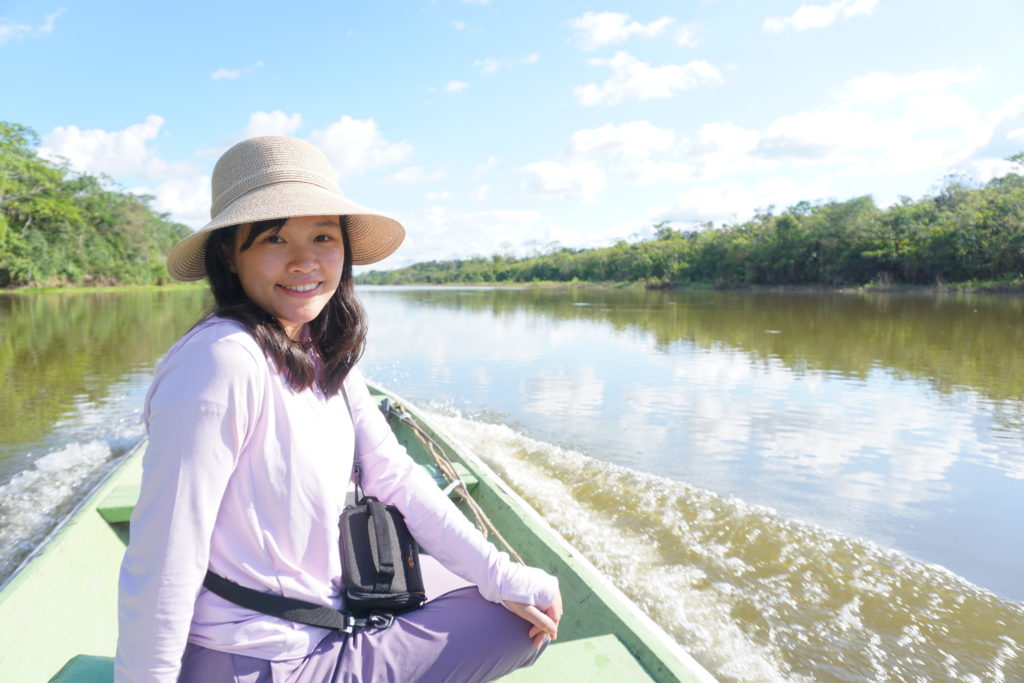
{"x": 543, "y": 623}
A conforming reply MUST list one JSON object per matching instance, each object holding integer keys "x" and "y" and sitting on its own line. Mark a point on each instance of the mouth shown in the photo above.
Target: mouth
{"x": 305, "y": 288}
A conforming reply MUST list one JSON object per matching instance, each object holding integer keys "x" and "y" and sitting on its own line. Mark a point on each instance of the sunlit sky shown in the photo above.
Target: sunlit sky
{"x": 495, "y": 125}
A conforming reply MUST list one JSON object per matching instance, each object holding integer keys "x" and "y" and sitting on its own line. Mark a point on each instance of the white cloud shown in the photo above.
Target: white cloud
{"x": 648, "y": 172}
{"x": 921, "y": 129}
{"x": 579, "y": 180}
{"x": 187, "y": 200}
{"x": 480, "y": 193}
{"x": 717, "y": 150}
{"x": 635, "y": 80}
{"x": 459, "y": 25}
{"x": 443, "y": 232}
{"x": 117, "y": 153}
{"x": 51, "y": 21}
{"x": 1007, "y": 126}
{"x": 633, "y": 140}
{"x": 414, "y": 174}
{"x": 271, "y": 123}
{"x": 879, "y": 87}
{"x": 234, "y": 74}
{"x": 817, "y": 135}
{"x": 178, "y": 188}
{"x": 487, "y": 65}
{"x": 455, "y": 86}
{"x": 442, "y": 196}
{"x": 10, "y": 31}
{"x": 355, "y": 146}
{"x": 926, "y": 131}
{"x": 484, "y": 167}
{"x": 687, "y": 35}
{"x": 226, "y": 74}
{"x": 490, "y": 65}
{"x": 723, "y": 138}
{"x": 819, "y": 16}
{"x": 985, "y": 170}
{"x": 733, "y": 200}
{"x": 477, "y": 2}
{"x": 597, "y": 29}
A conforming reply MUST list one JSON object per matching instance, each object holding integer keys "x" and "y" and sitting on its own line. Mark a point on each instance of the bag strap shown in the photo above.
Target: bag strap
{"x": 292, "y": 609}
{"x": 356, "y": 470}
{"x": 384, "y": 567}
{"x": 302, "y": 612}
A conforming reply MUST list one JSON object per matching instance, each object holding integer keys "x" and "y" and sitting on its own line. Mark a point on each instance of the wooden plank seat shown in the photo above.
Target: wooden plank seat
{"x": 86, "y": 669}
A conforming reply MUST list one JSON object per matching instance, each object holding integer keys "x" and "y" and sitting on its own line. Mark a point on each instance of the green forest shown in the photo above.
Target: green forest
{"x": 964, "y": 234}
{"x": 58, "y": 227}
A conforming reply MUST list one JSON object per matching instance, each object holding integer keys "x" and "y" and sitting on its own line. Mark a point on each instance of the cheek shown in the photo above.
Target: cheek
{"x": 337, "y": 260}
{"x": 253, "y": 273}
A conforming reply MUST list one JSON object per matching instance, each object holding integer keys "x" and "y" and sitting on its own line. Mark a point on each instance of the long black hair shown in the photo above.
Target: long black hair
{"x": 338, "y": 334}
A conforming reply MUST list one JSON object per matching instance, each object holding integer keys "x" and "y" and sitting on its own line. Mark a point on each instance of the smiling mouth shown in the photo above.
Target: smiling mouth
{"x": 301, "y": 288}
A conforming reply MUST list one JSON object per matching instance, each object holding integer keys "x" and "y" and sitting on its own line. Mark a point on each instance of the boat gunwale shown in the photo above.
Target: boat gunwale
{"x": 684, "y": 668}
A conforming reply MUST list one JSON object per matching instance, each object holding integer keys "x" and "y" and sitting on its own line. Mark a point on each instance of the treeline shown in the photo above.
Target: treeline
{"x": 59, "y": 227}
{"x": 963, "y": 233}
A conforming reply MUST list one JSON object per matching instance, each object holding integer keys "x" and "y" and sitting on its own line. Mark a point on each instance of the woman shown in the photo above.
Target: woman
{"x": 251, "y": 447}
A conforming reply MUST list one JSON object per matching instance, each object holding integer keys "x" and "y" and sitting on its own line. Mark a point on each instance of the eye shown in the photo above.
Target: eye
{"x": 274, "y": 239}
{"x": 323, "y": 238}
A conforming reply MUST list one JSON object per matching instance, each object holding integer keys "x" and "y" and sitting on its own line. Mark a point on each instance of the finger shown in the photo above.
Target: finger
{"x": 541, "y": 619}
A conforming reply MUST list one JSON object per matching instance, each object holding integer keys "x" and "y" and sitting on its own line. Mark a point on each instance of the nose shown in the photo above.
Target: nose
{"x": 302, "y": 259}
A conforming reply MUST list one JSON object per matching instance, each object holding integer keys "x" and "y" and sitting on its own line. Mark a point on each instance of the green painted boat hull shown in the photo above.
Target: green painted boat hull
{"x": 58, "y": 614}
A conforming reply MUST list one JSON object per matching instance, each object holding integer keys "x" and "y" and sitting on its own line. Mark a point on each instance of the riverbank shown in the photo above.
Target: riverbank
{"x": 88, "y": 289}
{"x": 969, "y": 287}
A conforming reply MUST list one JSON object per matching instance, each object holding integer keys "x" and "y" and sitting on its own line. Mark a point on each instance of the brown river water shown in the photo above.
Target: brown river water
{"x": 796, "y": 486}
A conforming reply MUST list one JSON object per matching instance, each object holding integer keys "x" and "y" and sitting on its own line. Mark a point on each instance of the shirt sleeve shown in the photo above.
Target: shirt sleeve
{"x": 389, "y": 474}
{"x": 198, "y": 413}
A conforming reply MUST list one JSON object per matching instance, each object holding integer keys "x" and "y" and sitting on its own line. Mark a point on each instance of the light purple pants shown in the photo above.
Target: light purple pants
{"x": 456, "y": 636}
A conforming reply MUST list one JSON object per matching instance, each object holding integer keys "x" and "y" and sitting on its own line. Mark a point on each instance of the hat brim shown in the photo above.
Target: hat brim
{"x": 372, "y": 235}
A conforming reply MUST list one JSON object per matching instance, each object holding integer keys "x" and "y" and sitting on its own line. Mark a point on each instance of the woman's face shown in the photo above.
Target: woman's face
{"x": 293, "y": 272}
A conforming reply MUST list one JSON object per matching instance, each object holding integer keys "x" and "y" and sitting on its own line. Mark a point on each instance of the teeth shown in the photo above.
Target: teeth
{"x": 301, "y": 288}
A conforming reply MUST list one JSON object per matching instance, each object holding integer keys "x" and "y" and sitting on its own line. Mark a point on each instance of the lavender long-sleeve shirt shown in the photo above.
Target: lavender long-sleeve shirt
{"x": 247, "y": 477}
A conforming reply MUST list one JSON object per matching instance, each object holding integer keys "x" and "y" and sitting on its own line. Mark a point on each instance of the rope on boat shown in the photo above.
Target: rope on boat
{"x": 455, "y": 482}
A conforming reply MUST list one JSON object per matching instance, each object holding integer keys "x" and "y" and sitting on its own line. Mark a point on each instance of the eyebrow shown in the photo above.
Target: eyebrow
{"x": 328, "y": 222}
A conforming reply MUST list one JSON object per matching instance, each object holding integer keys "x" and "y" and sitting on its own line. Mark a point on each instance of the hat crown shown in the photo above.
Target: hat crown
{"x": 267, "y": 160}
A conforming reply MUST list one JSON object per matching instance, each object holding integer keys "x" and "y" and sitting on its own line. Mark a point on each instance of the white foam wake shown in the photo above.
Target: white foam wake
{"x": 754, "y": 596}
{"x": 35, "y": 499}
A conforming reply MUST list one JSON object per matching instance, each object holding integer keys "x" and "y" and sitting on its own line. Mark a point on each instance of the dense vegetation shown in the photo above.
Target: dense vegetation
{"x": 60, "y": 227}
{"x": 963, "y": 233}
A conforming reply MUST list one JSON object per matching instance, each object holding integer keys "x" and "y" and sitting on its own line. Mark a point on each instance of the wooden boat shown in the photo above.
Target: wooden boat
{"x": 58, "y": 613}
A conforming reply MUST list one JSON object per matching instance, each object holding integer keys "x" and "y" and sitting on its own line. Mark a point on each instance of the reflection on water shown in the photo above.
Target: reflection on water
{"x": 75, "y": 368}
{"x": 891, "y": 418}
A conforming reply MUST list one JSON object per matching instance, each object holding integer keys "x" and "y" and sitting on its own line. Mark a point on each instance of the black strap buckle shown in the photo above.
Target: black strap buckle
{"x": 380, "y": 620}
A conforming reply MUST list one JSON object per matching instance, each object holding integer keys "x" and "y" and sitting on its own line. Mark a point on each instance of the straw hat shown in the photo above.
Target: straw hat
{"x": 279, "y": 177}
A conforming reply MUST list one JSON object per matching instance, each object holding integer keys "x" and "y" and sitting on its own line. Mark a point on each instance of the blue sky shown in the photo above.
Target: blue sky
{"x": 507, "y": 126}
